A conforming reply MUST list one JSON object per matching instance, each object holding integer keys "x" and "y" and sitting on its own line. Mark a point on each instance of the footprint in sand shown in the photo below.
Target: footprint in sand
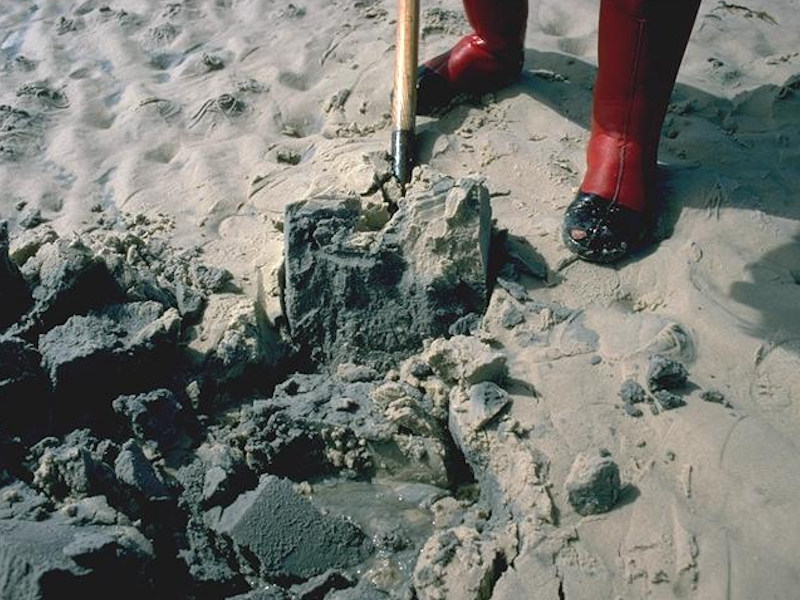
{"x": 370, "y": 9}
{"x": 227, "y": 106}
{"x": 45, "y": 95}
{"x": 166, "y": 109}
{"x": 291, "y": 11}
{"x": 65, "y": 25}
{"x": 206, "y": 62}
{"x": 20, "y": 133}
{"x": 159, "y": 36}
{"x": 23, "y": 64}
{"x": 163, "y": 153}
{"x": 301, "y": 124}
{"x": 295, "y": 81}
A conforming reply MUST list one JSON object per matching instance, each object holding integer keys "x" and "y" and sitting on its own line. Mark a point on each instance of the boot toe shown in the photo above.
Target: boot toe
{"x": 601, "y": 231}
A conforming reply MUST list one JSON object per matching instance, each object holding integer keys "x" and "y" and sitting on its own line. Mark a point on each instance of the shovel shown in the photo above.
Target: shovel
{"x": 404, "y": 99}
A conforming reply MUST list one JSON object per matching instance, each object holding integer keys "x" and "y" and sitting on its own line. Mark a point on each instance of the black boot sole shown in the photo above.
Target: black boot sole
{"x": 612, "y": 230}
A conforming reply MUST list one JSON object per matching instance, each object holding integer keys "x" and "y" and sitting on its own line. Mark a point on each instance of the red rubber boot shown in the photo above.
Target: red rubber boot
{"x": 641, "y": 45}
{"x": 486, "y": 60}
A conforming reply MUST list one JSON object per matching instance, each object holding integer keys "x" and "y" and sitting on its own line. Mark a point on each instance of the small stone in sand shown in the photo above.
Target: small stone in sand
{"x": 631, "y": 392}
{"x": 715, "y": 396}
{"x": 631, "y": 410}
{"x": 487, "y": 401}
{"x": 593, "y": 484}
{"x": 668, "y": 400}
{"x": 665, "y": 373}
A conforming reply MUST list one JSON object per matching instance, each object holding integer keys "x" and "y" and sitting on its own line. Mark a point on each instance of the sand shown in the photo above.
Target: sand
{"x": 216, "y": 115}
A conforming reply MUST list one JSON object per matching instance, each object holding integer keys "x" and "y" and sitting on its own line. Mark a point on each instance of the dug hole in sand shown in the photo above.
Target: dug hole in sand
{"x": 236, "y": 363}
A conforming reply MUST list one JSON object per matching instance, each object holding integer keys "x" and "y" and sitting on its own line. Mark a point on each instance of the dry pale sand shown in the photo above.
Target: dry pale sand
{"x": 218, "y": 113}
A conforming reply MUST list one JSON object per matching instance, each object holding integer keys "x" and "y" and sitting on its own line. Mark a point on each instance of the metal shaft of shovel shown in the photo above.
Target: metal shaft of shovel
{"x": 404, "y": 99}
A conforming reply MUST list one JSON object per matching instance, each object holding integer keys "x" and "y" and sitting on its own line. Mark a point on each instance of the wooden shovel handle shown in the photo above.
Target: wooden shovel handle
{"x": 404, "y": 100}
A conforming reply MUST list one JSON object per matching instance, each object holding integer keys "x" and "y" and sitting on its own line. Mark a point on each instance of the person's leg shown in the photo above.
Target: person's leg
{"x": 486, "y": 60}
{"x": 640, "y": 48}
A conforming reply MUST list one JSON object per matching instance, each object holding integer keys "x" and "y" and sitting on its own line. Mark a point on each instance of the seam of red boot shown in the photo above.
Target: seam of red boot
{"x": 629, "y": 117}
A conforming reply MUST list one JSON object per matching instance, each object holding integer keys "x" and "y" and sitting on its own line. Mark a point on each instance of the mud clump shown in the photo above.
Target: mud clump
{"x": 593, "y": 484}
{"x": 631, "y": 392}
{"x": 67, "y": 278}
{"x": 461, "y": 563}
{"x": 210, "y": 453}
{"x": 78, "y": 466}
{"x": 269, "y": 593}
{"x": 665, "y": 374}
{"x": 321, "y": 585}
{"x": 151, "y": 416}
{"x": 15, "y": 297}
{"x": 667, "y": 400}
{"x": 100, "y": 331}
{"x": 133, "y": 470}
{"x": 464, "y": 359}
{"x": 42, "y": 558}
{"x": 287, "y": 537}
{"x": 121, "y": 348}
{"x": 23, "y": 386}
{"x": 231, "y": 341}
{"x": 372, "y": 296}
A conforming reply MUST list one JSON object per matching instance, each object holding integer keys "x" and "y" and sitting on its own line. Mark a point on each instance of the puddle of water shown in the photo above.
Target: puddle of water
{"x": 381, "y": 508}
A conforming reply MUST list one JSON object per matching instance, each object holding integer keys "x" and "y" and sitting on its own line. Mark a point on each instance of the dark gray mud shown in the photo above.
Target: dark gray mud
{"x": 162, "y": 437}
{"x": 372, "y": 296}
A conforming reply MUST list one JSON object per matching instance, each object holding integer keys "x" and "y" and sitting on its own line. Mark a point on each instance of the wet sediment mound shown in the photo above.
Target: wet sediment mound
{"x": 111, "y": 355}
{"x": 371, "y": 296}
{"x": 128, "y": 434}
{"x": 159, "y": 438}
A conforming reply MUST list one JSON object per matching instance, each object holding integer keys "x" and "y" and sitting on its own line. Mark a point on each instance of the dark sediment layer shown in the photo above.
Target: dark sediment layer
{"x": 371, "y": 296}
{"x": 144, "y": 347}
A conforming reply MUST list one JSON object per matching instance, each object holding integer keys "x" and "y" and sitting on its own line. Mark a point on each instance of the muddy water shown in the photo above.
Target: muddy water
{"x": 390, "y": 512}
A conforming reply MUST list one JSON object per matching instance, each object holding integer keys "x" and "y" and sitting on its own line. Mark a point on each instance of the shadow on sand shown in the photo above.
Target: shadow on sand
{"x": 755, "y": 167}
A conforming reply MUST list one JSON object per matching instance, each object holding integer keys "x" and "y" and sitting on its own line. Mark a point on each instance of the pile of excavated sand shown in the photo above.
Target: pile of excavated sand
{"x": 131, "y": 439}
